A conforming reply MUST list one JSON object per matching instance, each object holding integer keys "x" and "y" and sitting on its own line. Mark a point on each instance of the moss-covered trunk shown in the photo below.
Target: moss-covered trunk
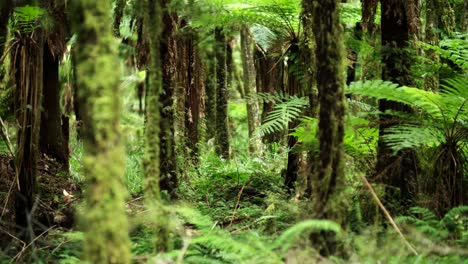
{"x": 153, "y": 29}
{"x": 330, "y": 65}
{"x": 250, "y": 88}
{"x": 222, "y": 131}
{"x": 168, "y": 177}
{"x": 103, "y": 219}
{"x": 6, "y": 6}
{"x": 28, "y": 54}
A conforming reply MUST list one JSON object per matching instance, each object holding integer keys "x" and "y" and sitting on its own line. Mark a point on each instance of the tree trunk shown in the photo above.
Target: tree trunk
{"x": 28, "y": 94}
{"x": 168, "y": 177}
{"x": 269, "y": 80}
{"x": 395, "y": 171}
{"x": 210, "y": 97}
{"x": 52, "y": 140}
{"x": 6, "y": 7}
{"x": 293, "y": 88}
{"x": 103, "y": 220}
{"x": 153, "y": 29}
{"x": 195, "y": 91}
{"x": 222, "y": 132}
{"x": 329, "y": 54}
{"x": 250, "y": 88}
{"x": 432, "y": 37}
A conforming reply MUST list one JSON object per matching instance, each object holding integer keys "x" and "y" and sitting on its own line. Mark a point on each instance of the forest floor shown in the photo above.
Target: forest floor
{"x": 55, "y": 202}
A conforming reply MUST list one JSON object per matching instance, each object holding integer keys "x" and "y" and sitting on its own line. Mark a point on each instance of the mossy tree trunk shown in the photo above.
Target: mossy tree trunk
{"x": 103, "y": 219}
{"x": 28, "y": 67}
{"x": 250, "y": 88}
{"x": 153, "y": 29}
{"x": 395, "y": 171}
{"x": 6, "y": 7}
{"x": 330, "y": 65}
{"x": 168, "y": 177}
{"x": 222, "y": 131}
{"x": 210, "y": 97}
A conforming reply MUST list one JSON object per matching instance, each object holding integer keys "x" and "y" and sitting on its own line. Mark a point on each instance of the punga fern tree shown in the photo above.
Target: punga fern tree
{"x": 439, "y": 127}
{"x": 27, "y": 67}
{"x": 103, "y": 219}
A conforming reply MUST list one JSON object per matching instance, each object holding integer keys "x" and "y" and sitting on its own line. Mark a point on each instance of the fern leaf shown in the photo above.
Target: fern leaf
{"x": 282, "y": 114}
{"x": 288, "y": 237}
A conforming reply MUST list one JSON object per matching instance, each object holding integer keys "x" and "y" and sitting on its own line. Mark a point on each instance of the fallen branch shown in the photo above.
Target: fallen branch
{"x": 389, "y": 217}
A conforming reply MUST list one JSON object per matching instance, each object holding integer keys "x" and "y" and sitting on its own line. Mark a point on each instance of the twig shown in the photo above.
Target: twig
{"x": 237, "y": 205}
{"x": 389, "y": 217}
{"x": 32, "y": 242}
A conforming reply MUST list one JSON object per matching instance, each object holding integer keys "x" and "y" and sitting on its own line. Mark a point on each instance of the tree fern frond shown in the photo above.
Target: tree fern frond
{"x": 411, "y": 136}
{"x": 456, "y": 217}
{"x": 287, "y": 238}
{"x": 282, "y": 114}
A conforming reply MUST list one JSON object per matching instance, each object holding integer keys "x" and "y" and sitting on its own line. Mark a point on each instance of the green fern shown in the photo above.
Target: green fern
{"x": 287, "y": 238}
{"x": 283, "y": 113}
{"x": 453, "y": 225}
{"x": 212, "y": 244}
{"x": 442, "y": 116}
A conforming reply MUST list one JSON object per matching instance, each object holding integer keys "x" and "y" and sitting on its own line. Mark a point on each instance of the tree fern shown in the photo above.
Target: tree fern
{"x": 442, "y": 115}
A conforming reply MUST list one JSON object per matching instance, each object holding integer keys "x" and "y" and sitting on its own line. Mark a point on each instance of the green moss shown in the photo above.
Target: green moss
{"x": 104, "y": 219}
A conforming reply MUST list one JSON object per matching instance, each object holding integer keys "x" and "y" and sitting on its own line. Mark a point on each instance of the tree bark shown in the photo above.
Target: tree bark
{"x": 222, "y": 132}
{"x": 329, "y": 54}
{"x": 395, "y": 171}
{"x": 103, "y": 220}
{"x": 168, "y": 177}
{"x": 28, "y": 68}
{"x": 52, "y": 140}
{"x": 250, "y": 88}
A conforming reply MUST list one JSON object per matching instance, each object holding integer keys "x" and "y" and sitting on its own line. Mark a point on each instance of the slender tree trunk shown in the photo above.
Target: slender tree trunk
{"x": 250, "y": 88}
{"x": 104, "y": 219}
{"x": 329, "y": 53}
{"x": 395, "y": 171}
{"x": 222, "y": 132}
{"x": 293, "y": 88}
{"x": 210, "y": 98}
{"x": 153, "y": 29}
{"x": 52, "y": 140}
{"x": 6, "y": 7}
{"x": 195, "y": 91}
{"x": 28, "y": 96}
{"x": 269, "y": 80}
{"x": 118, "y": 15}
{"x": 168, "y": 178}
{"x": 432, "y": 37}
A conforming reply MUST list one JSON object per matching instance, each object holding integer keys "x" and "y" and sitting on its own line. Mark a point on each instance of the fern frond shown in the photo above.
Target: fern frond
{"x": 411, "y": 136}
{"x": 456, "y": 218}
{"x": 288, "y": 237}
{"x": 282, "y": 114}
